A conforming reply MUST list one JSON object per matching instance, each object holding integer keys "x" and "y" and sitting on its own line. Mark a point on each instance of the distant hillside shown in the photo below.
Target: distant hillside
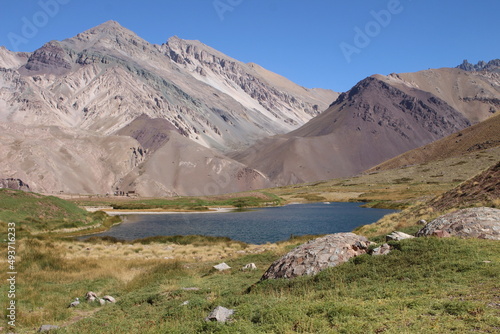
{"x": 482, "y": 189}
{"x": 475, "y": 138}
{"x": 371, "y": 123}
{"x": 20, "y": 206}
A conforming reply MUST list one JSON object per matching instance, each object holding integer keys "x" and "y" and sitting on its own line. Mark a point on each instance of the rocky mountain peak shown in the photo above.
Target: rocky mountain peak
{"x": 107, "y": 36}
{"x": 491, "y": 66}
{"x": 52, "y": 57}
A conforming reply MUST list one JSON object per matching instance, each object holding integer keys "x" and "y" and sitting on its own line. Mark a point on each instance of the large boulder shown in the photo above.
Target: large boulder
{"x": 482, "y": 223}
{"x": 317, "y": 255}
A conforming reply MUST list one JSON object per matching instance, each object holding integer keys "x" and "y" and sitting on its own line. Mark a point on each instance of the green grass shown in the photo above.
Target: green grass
{"x": 34, "y": 214}
{"x": 186, "y": 203}
{"x": 425, "y": 285}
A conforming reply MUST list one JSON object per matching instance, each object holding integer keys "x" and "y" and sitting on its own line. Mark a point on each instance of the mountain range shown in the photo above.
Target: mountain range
{"x": 106, "y": 111}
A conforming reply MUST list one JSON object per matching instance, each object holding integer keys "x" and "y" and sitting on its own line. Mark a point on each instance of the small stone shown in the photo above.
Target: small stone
{"x": 249, "y": 266}
{"x": 47, "y": 328}
{"x": 75, "y": 303}
{"x": 109, "y": 299}
{"x": 185, "y": 303}
{"x": 191, "y": 289}
{"x": 102, "y": 301}
{"x": 398, "y": 236}
{"x": 220, "y": 314}
{"x": 91, "y": 296}
{"x": 382, "y": 250}
{"x": 222, "y": 266}
{"x": 422, "y": 222}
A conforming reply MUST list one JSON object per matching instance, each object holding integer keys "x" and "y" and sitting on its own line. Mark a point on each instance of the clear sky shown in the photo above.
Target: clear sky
{"x": 317, "y": 43}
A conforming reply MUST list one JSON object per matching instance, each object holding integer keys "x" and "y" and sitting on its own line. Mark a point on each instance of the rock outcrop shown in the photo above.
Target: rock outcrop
{"x": 317, "y": 255}
{"x": 482, "y": 223}
{"x": 15, "y": 184}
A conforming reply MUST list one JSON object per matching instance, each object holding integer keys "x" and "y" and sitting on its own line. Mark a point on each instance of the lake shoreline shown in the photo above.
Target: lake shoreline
{"x": 165, "y": 212}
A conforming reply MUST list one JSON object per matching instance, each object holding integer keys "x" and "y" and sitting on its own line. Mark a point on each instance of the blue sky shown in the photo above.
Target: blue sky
{"x": 320, "y": 43}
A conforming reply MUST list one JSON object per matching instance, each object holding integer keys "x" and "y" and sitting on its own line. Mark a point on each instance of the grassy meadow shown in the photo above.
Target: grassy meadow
{"x": 425, "y": 285}
{"x": 168, "y": 285}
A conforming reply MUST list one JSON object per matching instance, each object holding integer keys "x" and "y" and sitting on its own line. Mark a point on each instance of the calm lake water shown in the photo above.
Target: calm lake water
{"x": 256, "y": 227}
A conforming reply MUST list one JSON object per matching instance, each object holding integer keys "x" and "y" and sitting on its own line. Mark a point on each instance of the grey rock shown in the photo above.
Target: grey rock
{"x": 317, "y": 255}
{"x": 397, "y": 236}
{"x": 102, "y": 301}
{"x": 75, "y": 303}
{"x": 382, "y": 250}
{"x": 220, "y": 314}
{"x": 222, "y": 266}
{"x": 47, "y": 328}
{"x": 422, "y": 222}
{"x": 249, "y": 266}
{"x": 91, "y": 296}
{"x": 109, "y": 299}
{"x": 482, "y": 223}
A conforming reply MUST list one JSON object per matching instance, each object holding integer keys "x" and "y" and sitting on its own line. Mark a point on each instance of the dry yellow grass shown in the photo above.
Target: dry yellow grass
{"x": 157, "y": 251}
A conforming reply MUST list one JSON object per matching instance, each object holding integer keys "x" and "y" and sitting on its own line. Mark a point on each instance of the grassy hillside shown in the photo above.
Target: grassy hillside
{"x": 481, "y": 190}
{"x": 398, "y": 187}
{"x": 35, "y": 213}
{"x": 476, "y": 138}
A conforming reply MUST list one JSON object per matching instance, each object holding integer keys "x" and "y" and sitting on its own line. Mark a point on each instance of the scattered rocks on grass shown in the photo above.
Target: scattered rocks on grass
{"x": 317, "y": 255}
{"x": 482, "y": 223}
{"x": 222, "y": 266}
{"x": 397, "y": 236}
{"x": 220, "y": 314}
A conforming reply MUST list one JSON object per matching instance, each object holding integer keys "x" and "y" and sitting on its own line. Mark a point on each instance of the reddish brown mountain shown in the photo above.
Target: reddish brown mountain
{"x": 369, "y": 124}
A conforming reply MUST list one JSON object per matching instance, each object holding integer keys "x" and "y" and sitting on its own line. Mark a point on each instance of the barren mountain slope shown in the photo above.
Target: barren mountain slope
{"x": 51, "y": 159}
{"x": 475, "y": 94}
{"x": 79, "y": 93}
{"x": 479, "y": 137}
{"x": 107, "y": 76}
{"x": 371, "y": 123}
{"x": 181, "y": 167}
